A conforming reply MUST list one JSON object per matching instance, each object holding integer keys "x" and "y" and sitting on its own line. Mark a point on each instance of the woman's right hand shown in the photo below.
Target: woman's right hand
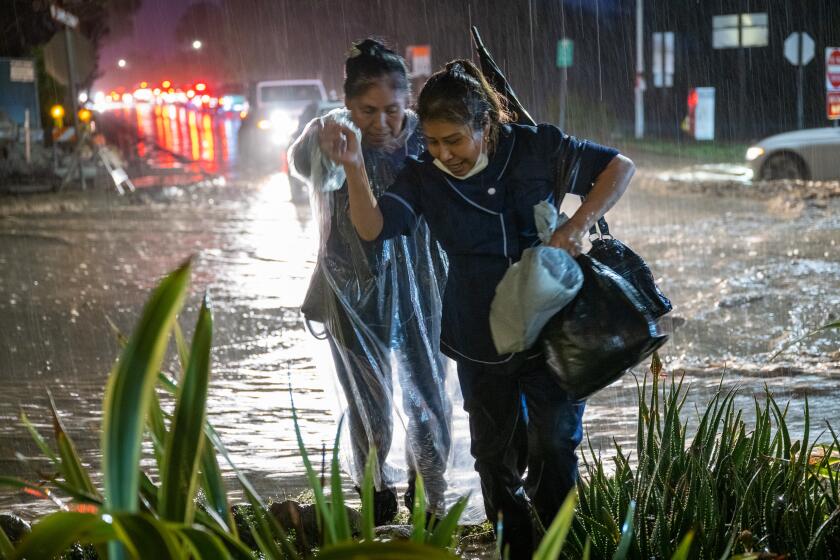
{"x": 340, "y": 144}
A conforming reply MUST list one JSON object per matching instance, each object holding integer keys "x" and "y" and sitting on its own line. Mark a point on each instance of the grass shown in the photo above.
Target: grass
{"x": 690, "y": 151}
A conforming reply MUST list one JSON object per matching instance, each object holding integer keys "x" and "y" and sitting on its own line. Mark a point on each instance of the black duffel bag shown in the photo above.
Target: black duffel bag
{"x": 630, "y": 266}
{"x": 600, "y": 334}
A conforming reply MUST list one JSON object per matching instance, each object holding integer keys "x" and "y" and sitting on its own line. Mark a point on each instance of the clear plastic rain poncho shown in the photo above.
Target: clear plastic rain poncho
{"x": 380, "y": 306}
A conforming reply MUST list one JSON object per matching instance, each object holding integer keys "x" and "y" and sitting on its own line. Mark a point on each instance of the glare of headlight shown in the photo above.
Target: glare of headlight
{"x": 754, "y": 152}
{"x": 264, "y": 124}
{"x": 83, "y": 97}
{"x": 284, "y": 124}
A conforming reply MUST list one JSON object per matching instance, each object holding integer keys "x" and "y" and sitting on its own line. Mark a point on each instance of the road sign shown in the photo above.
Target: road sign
{"x": 419, "y": 59}
{"x": 565, "y": 53}
{"x": 832, "y": 68}
{"x": 55, "y": 57}
{"x": 64, "y": 16}
{"x": 792, "y": 48}
{"x": 832, "y": 83}
{"x": 21, "y": 70}
{"x": 832, "y": 105}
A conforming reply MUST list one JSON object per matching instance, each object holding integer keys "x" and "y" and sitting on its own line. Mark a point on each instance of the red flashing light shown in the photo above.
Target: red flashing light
{"x": 692, "y": 99}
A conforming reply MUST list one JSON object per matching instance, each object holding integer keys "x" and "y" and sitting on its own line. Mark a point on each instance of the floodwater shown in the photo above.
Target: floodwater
{"x": 745, "y": 274}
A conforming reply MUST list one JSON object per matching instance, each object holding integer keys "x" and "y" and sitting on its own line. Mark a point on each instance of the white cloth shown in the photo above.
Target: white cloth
{"x": 534, "y": 289}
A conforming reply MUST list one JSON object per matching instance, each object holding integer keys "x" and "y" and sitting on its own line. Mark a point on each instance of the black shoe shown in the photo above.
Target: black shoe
{"x": 384, "y": 505}
{"x": 409, "y": 496}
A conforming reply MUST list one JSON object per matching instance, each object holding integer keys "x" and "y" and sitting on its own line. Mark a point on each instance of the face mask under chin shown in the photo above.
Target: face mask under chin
{"x": 479, "y": 166}
{"x": 480, "y": 163}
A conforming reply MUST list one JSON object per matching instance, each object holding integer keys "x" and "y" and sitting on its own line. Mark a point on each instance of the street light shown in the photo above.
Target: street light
{"x": 196, "y": 44}
{"x": 121, "y": 63}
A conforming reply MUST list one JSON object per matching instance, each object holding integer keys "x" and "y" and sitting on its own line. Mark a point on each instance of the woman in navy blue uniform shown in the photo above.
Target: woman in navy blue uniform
{"x": 476, "y": 186}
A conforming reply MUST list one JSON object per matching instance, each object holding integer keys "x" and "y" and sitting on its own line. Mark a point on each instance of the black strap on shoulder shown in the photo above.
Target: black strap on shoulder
{"x": 560, "y": 194}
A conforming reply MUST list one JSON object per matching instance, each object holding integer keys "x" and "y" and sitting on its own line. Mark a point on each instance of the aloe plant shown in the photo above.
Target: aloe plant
{"x": 136, "y": 518}
{"x": 731, "y": 489}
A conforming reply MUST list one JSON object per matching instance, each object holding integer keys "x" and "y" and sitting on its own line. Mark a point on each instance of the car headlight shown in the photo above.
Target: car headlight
{"x": 754, "y": 152}
{"x": 264, "y": 124}
{"x": 283, "y": 124}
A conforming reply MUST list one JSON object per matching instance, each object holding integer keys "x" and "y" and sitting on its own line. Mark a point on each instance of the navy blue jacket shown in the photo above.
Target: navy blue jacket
{"x": 486, "y": 221}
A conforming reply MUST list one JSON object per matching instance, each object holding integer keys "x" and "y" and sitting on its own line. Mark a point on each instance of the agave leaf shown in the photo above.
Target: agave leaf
{"x": 53, "y": 534}
{"x": 341, "y": 520}
{"x": 157, "y": 429}
{"x": 203, "y": 544}
{"x": 70, "y": 465}
{"x": 38, "y": 438}
{"x": 130, "y": 388}
{"x": 146, "y": 534}
{"x": 418, "y": 515}
{"x": 555, "y": 537}
{"x": 7, "y": 549}
{"x": 684, "y": 549}
{"x": 327, "y": 521}
{"x": 367, "y": 496}
{"x": 626, "y": 534}
{"x": 179, "y": 474}
{"x": 444, "y": 531}
{"x": 214, "y": 487}
{"x": 233, "y": 544}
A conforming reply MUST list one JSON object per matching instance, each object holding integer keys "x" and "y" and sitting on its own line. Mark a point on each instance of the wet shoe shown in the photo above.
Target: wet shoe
{"x": 384, "y": 505}
{"x": 409, "y": 496}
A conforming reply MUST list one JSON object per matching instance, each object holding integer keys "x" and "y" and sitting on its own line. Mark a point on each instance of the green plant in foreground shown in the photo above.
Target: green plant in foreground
{"x": 134, "y": 517}
{"x": 737, "y": 491}
{"x": 729, "y": 492}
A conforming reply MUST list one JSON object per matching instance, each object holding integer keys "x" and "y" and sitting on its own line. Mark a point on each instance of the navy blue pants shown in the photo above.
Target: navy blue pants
{"x": 546, "y": 430}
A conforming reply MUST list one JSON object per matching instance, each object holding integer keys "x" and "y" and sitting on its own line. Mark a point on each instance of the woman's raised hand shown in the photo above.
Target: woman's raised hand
{"x": 340, "y": 144}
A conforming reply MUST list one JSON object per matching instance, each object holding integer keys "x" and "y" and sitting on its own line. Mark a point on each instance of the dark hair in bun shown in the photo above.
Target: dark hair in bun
{"x": 368, "y": 62}
{"x": 460, "y": 94}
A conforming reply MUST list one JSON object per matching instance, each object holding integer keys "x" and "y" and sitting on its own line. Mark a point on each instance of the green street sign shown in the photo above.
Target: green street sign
{"x": 565, "y": 52}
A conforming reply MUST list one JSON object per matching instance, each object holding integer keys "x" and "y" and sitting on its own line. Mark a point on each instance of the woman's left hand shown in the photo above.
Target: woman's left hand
{"x": 568, "y": 236}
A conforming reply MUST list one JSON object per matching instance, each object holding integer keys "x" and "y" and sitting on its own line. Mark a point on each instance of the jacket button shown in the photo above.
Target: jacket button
{"x": 491, "y": 191}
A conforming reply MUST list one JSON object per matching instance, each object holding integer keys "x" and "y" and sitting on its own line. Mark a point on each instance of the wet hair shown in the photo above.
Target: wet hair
{"x": 460, "y": 94}
{"x": 370, "y": 61}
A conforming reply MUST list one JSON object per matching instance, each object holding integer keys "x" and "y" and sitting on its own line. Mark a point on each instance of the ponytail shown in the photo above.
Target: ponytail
{"x": 460, "y": 94}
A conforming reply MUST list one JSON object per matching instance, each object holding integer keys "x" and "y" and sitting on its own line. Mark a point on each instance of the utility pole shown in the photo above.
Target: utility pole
{"x": 640, "y": 70}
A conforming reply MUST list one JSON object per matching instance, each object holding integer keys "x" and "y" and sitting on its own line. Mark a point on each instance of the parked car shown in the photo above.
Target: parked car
{"x": 803, "y": 154}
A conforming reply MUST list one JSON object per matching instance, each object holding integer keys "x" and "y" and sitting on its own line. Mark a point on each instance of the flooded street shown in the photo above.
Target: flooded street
{"x": 745, "y": 274}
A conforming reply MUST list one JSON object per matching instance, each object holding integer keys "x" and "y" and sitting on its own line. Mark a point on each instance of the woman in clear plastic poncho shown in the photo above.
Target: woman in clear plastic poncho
{"x": 379, "y": 302}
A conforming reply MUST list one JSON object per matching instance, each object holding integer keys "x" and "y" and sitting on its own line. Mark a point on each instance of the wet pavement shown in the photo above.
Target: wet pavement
{"x": 745, "y": 273}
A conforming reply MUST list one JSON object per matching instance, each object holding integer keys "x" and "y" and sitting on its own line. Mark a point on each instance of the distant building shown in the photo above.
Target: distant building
{"x": 737, "y": 47}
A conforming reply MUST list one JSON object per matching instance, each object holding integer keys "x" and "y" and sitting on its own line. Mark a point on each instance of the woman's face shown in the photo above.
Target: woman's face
{"x": 379, "y": 112}
{"x": 457, "y": 146}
